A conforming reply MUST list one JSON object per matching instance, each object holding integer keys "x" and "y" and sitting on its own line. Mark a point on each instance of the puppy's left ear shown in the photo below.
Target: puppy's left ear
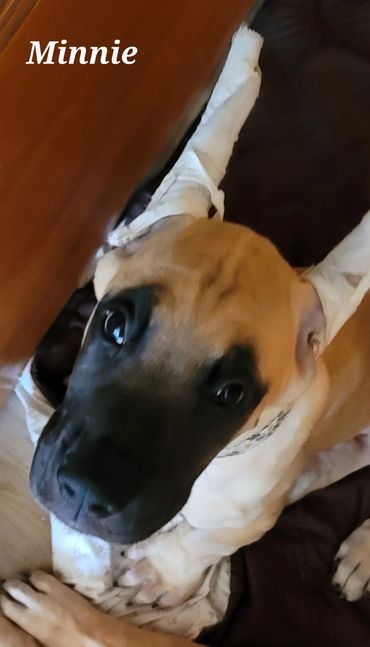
{"x": 110, "y": 263}
{"x": 105, "y": 270}
{"x": 311, "y": 326}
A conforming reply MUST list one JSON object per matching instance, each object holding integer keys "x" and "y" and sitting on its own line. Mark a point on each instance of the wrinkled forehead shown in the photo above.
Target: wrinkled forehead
{"x": 204, "y": 254}
{"x": 218, "y": 285}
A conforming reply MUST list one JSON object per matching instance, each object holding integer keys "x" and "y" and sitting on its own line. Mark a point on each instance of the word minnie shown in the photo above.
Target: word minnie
{"x": 58, "y": 51}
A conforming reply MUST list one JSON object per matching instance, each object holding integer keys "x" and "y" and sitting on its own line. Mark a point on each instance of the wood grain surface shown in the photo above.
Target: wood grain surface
{"x": 24, "y": 526}
{"x": 75, "y": 139}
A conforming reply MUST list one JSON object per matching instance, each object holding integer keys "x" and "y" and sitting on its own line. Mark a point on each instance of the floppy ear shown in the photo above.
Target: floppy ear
{"x": 311, "y": 326}
{"x": 109, "y": 264}
{"x": 105, "y": 270}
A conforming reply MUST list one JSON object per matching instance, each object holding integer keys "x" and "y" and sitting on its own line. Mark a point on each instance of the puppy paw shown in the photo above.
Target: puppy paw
{"x": 46, "y": 610}
{"x": 352, "y": 575}
{"x": 161, "y": 571}
{"x": 147, "y": 580}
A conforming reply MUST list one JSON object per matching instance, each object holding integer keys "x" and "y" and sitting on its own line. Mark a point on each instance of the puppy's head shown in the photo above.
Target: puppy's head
{"x": 199, "y": 327}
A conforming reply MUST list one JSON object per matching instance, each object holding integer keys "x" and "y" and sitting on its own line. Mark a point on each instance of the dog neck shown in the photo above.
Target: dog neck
{"x": 258, "y": 434}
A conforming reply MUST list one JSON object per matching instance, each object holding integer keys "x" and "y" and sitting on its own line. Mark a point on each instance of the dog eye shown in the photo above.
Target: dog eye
{"x": 115, "y": 326}
{"x": 229, "y": 394}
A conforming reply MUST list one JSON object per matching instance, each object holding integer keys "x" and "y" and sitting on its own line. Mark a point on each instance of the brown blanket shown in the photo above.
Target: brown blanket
{"x": 281, "y": 590}
{"x": 300, "y": 174}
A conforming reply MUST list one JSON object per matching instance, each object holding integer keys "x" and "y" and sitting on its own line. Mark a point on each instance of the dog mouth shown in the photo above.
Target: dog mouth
{"x": 114, "y": 529}
{"x": 91, "y": 496}
{"x": 136, "y": 521}
{"x": 118, "y": 528}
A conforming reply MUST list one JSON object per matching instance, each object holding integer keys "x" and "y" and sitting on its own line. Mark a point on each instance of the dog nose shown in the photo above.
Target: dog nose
{"x": 81, "y": 493}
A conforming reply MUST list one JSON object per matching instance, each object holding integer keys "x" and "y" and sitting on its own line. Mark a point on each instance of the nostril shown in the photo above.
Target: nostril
{"x": 82, "y": 493}
{"x": 67, "y": 490}
{"x": 100, "y": 510}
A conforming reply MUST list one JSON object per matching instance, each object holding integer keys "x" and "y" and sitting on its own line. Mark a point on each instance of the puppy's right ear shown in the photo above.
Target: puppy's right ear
{"x": 311, "y": 327}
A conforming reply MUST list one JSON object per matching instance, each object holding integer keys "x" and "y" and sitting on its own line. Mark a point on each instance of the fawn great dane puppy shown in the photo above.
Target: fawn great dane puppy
{"x": 203, "y": 335}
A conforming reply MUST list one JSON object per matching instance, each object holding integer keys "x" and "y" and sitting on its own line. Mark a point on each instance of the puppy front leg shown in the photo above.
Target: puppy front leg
{"x": 352, "y": 573}
{"x": 168, "y": 567}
